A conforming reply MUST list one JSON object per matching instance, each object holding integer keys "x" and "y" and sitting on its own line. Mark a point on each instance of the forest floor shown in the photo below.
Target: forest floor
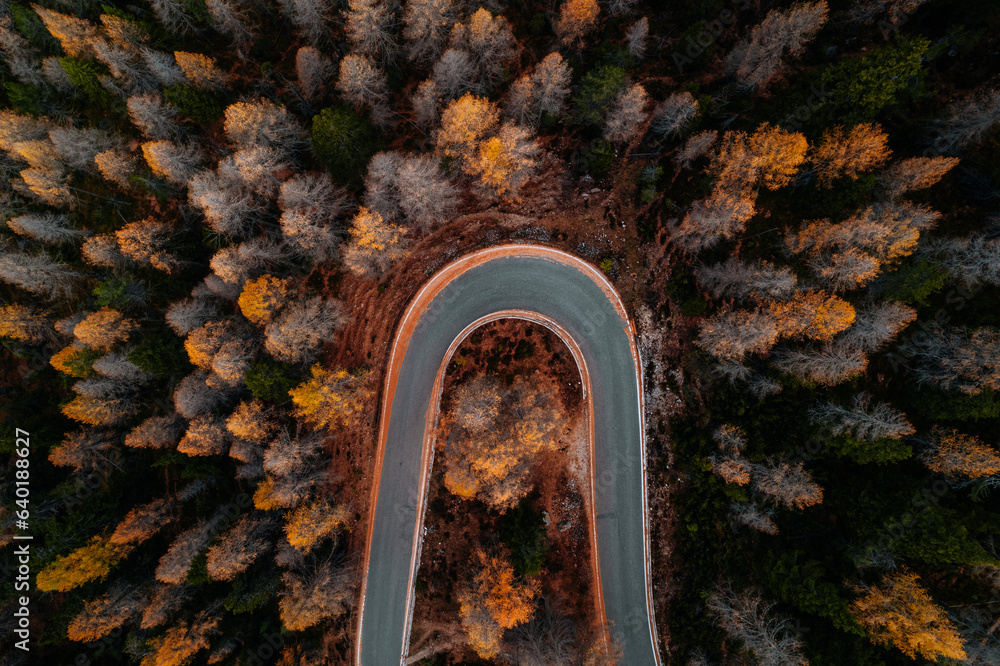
{"x": 455, "y": 527}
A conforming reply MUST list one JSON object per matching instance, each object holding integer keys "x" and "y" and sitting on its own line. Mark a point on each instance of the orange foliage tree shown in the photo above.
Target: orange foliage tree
{"x": 262, "y": 298}
{"x": 104, "y": 328}
{"x": 900, "y": 612}
{"x": 864, "y": 148}
{"x": 495, "y": 600}
{"x": 492, "y": 443}
{"x": 957, "y": 455}
{"x": 576, "y": 19}
{"x": 813, "y": 314}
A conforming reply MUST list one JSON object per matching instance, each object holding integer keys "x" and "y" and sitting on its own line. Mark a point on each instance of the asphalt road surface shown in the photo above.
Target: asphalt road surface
{"x": 577, "y": 302}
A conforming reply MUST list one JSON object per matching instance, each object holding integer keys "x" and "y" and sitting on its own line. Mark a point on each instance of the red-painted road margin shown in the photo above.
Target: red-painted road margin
{"x": 413, "y": 315}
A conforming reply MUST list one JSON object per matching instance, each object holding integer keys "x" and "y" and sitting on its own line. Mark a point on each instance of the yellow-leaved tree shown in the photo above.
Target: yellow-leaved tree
{"x": 262, "y": 298}
{"x": 311, "y": 523}
{"x": 330, "y": 398}
{"x": 23, "y": 323}
{"x": 93, "y": 561}
{"x": 900, "y": 612}
{"x": 375, "y": 244}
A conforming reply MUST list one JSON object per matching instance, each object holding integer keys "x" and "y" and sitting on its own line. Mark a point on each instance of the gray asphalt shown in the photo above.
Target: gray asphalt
{"x": 571, "y": 298}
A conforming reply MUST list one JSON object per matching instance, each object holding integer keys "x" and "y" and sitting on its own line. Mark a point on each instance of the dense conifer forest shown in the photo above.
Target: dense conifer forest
{"x": 215, "y": 211}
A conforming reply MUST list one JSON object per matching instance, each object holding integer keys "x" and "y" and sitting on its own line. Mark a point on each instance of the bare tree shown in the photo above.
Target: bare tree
{"x": 164, "y": 602}
{"x": 371, "y": 28}
{"x": 735, "y": 333}
{"x": 746, "y": 617}
{"x": 229, "y": 18}
{"x": 828, "y": 365}
{"x": 519, "y": 103}
{"x": 105, "y": 614}
{"x": 916, "y": 173}
{"x": 637, "y": 36}
{"x": 696, "y": 146}
{"x": 48, "y": 228}
{"x": 173, "y": 14}
{"x": 310, "y": 17}
{"x": 426, "y": 102}
{"x": 550, "y": 638}
{"x": 229, "y": 207}
{"x": 56, "y": 75}
{"x": 627, "y": 116}
{"x": 301, "y": 328}
{"x": 262, "y": 124}
{"x": 310, "y": 205}
{"x": 178, "y": 163}
{"x": 454, "y": 74}
{"x": 754, "y": 517}
{"x": 426, "y": 26}
{"x": 956, "y": 359}
{"x": 313, "y": 70}
{"x": 156, "y": 432}
{"x": 674, "y": 114}
{"x": 426, "y": 195}
{"x": 77, "y": 147}
{"x": 846, "y": 270}
{"x": 103, "y": 250}
{"x": 863, "y": 421}
{"x": 193, "y": 396}
{"x": 876, "y": 324}
{"x": 973, "y": 260}
{"x": 186, "y": 315}
{"x": 491, "y": 42}
{"x": 37, "y": 273}
{"x": 146, "y": 242}
{"x": 20, "y": 56}
{"x": 894, "y": 11}
{"x": 125, "y": 64}
{"x": 236, "y": 264}
{"x": 153, "y": 116}
{"x": 16, "y": 127}
{"x": 757, "y": 59}
{"x": 970, "y": 121}
{"x": 722, "y": 215}
{"x": 314, "y": 191}
{"x": 738, "y": 279}
{"x": 309, "y": 598}
{"x": 116, "y": 166}
{"x": 363, "y": 85}
{"x": 551, "y": 84}
{"x": 176, "y": 562}
{"x": 163, "y": 66}
{"x": 382, "y": 184}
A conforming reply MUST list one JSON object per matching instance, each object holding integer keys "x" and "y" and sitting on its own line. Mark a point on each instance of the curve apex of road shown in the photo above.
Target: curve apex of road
{"x": 575, "y": 300}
